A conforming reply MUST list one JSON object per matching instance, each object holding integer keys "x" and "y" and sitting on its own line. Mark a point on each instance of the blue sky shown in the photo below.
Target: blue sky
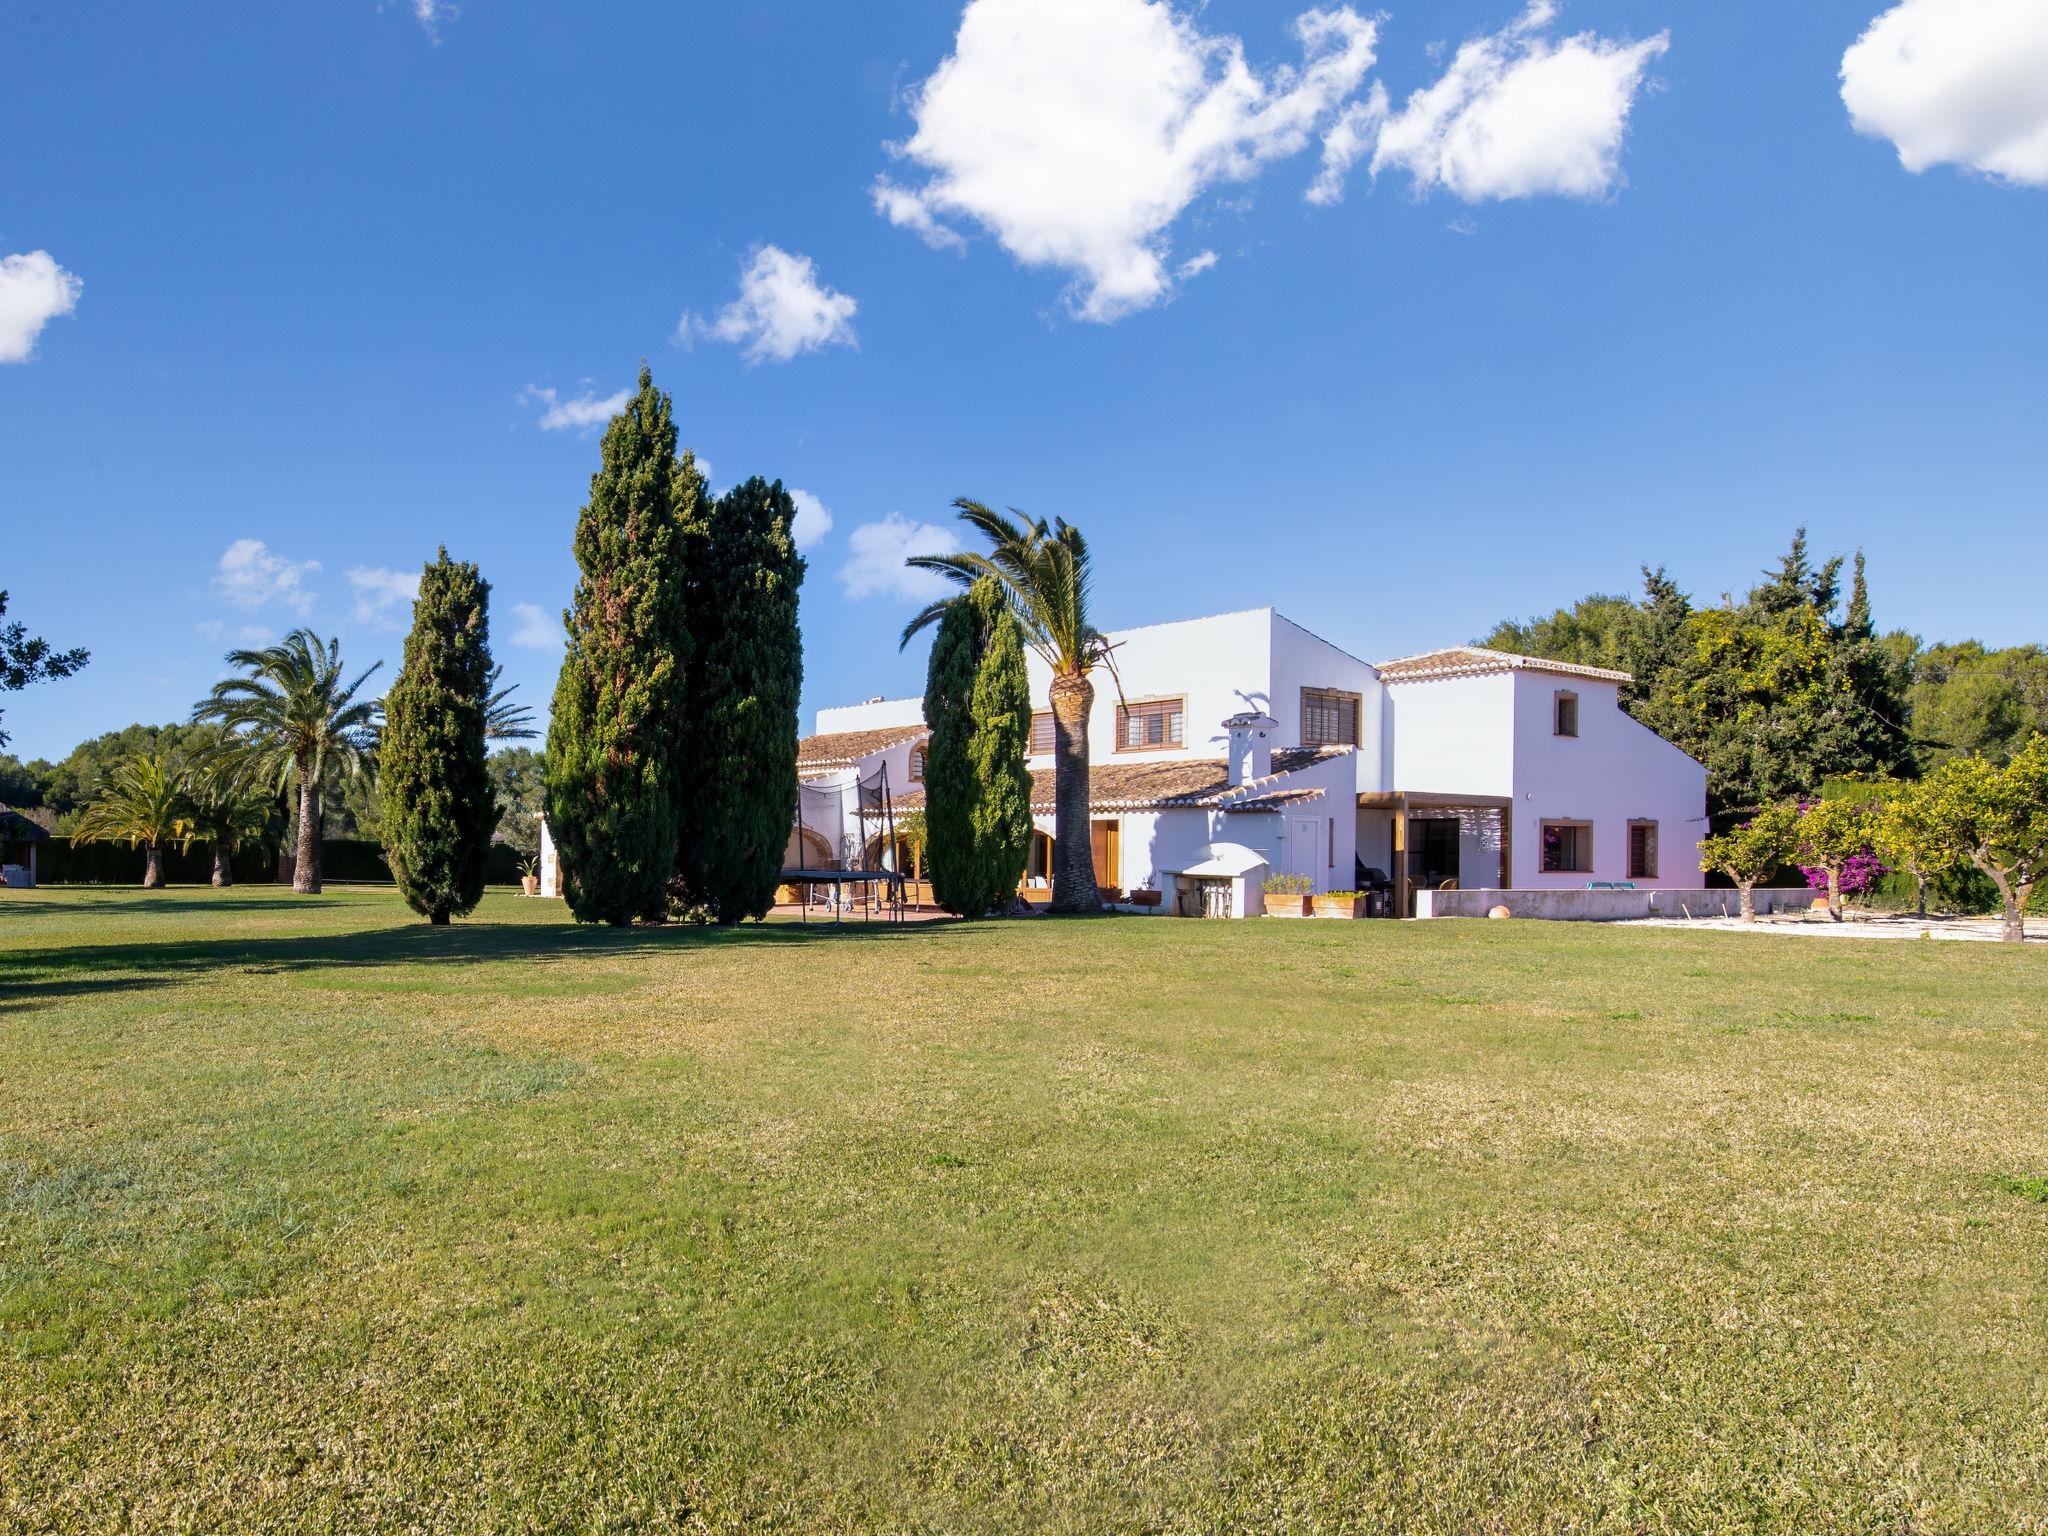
{"x": 1630, "y": 285}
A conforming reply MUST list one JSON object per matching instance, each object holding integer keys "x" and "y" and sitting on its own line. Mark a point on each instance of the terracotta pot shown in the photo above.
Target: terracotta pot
{"x": 530, "y": 884}
{"x": 1144, "y": 898}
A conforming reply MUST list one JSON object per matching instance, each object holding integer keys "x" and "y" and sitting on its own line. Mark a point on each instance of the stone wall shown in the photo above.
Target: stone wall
{"x": 1582, "y": 906}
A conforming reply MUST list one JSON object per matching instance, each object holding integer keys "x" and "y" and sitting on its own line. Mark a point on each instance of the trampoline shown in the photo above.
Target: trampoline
{"x": 849, "y": 818}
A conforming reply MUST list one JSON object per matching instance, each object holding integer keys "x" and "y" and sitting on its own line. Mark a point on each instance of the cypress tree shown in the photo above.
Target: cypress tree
{"x": 948, "y": 762}
{"x": 435, "y": 782}
{"x": 742, "y": 710}
{"x": 977, "y": 789}
{"x": 1001, "y": 712}
{"x": 615, "y": 745}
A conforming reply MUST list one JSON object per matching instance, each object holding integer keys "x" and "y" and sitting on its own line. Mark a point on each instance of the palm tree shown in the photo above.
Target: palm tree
{"x": 1043, "y": 569}
{"x": 292, "y": 718}
{"x": 228, "y": 812}
{"x": 142, "y": 802}
{"x": 504, "y": 720}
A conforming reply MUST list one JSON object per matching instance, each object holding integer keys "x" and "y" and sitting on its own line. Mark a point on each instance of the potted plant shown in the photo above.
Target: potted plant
{"x": 1340, "y": 904}
{"x": 529, "y": 874}
{"x": 1289, "y": 895}
{"x": 1144, "y": 898}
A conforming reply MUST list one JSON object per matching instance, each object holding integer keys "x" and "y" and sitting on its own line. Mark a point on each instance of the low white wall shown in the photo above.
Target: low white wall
{"x": 1583, "y": 906}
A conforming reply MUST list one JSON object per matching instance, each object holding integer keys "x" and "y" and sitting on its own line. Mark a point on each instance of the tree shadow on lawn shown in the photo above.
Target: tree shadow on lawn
{"x": 132, "y": 900}
{"x": 34, "y": 978}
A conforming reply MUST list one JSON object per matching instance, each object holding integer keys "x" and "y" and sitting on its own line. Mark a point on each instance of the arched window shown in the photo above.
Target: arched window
{"x": 917, "y": 763}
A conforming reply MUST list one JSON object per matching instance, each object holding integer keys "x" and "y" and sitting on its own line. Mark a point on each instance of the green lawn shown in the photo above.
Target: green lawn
{"x": 313, "y": 1218}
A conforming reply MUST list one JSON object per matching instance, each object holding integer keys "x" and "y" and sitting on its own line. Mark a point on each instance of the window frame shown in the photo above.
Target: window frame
{"x": 1177, "y": 704}
{"x": 1583, "y": 844}
{"x": 1648, "y": 825}
{"x": 919, "y": 750}
{"x": 1558, "y": 700}
{"x": 1357, "y": 702}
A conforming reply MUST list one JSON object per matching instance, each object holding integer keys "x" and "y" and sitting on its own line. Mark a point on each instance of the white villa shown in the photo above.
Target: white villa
{"x": 1246, "y": 745}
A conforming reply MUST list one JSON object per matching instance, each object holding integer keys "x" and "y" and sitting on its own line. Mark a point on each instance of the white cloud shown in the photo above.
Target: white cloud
{"x": 875, "y": 555}
{"x": 813, "y": 519}
{"x": 1956, "y": 82}
{"x": 379, "y": 592}
{"x": 250, "y": 576}
{"x": 1518, "y": 116}
{"x": 534, "y": 628}
{"x": 1078, "y": 131}
{"x": 585, "y": 413}
{"x": 34, "y": 290}
{"x": 430, "y": 14}
{"x": 782, "y": 310}
{"x": 244, "y": 634}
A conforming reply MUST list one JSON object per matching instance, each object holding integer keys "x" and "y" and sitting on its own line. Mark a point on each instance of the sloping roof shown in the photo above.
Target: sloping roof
{"x": 1176, "y": 784}
{"x": 17, "y": 828}
{"x": 1476, "y": 660}
{"x": 842, "y": 749}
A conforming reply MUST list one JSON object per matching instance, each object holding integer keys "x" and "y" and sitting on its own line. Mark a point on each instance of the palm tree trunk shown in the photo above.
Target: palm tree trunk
{"x": 223, "y": 865}
{"x": 152, "y": 867}
{"x": 306, "y": 868}
{"x": 1073, "y": 861}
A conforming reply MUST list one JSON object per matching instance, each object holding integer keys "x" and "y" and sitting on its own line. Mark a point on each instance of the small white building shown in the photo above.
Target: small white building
{"x": 1248, "y": 731}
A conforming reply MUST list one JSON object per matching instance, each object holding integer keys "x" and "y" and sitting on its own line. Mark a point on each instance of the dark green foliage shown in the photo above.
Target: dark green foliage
{"x": 742, "y": 709}
{"x": 67, "y": 785}
{"x": 615, "y": 772}
{"x": 1001, "y": 712}
{"x": 438, "y": 807}
{"x": 948, "y": 763}
{"x": 26, "y": 659}
{"x": 23, "y": 784}
{"x": 1970, "y": 700}
{"x": 977, "y": 789}
{"x": 1774, "y": 695}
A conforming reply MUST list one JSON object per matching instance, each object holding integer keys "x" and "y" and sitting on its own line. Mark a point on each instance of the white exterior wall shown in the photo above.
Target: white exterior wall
{"x": 875, "y": 715}
{"x": 1304, "y": 660}
{"x": 1616, "y": 770}
{"x": 1221, "y": 665}
{"x": 1454, "y": 735}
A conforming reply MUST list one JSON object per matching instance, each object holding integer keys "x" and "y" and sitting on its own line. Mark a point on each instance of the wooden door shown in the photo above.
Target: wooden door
{"x": 1102, "y": 844}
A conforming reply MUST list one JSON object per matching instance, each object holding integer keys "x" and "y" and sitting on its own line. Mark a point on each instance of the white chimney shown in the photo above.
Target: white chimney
{"x": 1251, "y": 746}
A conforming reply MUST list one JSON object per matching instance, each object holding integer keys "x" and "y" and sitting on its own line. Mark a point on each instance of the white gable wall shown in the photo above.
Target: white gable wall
{"x": 1614, "y": 771}
{"x": 1454, "y": 735}
{"x": 1221, "y": 665}
{"x": 1304, "y": 660}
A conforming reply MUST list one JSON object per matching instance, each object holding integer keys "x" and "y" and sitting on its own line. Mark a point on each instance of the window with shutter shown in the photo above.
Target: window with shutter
{"x": 1329, "y": 718}
{"x": 1154, "y": 725}
{"x": 1567, "y": 722}
{"x": 1642, "y": 850}
{"x": 1041, "y": 733}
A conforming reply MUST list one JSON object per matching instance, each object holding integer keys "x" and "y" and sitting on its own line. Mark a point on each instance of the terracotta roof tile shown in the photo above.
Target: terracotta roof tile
{"x": 1477, "y": 660}
{"x": 842, "y": 749}
{"x": 1182, "y": 782}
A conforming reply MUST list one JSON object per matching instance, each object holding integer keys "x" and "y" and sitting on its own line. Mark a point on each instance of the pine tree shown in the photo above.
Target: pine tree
{"x": 435, "y": 783}
{"x": 615, "y": 745}
{"x": 744, "y": 582}
{"x": 977, "y": 789}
